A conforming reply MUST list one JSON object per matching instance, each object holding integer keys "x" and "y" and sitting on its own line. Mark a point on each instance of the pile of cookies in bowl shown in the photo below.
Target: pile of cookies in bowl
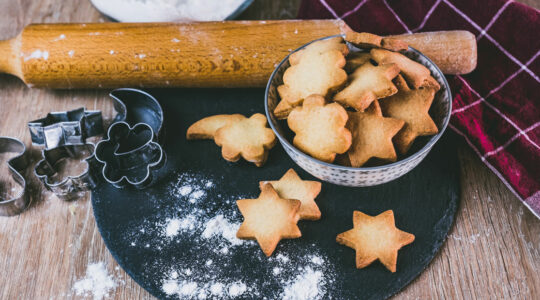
{"x": 359, "y": 109}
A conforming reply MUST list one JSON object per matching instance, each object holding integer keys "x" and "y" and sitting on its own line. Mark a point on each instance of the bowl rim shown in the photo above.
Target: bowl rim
{"x": 239, "y": 10}
{"x": 415, "y": 155}
{"x": 232, "y": 16}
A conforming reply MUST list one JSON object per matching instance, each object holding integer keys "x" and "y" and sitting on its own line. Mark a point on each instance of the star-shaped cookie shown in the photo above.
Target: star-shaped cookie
{"x": 268, "y": 219}
{"x": 291, "y": 186}
{"x": 372, "y": 135}
{"x": 375, "y": 238}
{"x": 247, "y": 138}
{"x": 367, "y": 84}
{"x": 411, "y": 106}
{"x": 320, "y": 128}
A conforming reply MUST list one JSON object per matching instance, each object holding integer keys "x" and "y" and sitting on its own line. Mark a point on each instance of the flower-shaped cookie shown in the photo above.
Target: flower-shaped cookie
{"x": 129, "y": 154}
{"x": 316, "y": 69}
{"x": 247, "y": 138}
{"x": 320, "y": 128}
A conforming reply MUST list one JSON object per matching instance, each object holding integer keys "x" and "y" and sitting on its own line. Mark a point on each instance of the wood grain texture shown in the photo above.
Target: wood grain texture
{"x": 112, "y": 55}
{"x": 493, "y": 250}
{"x": 452, "y": 51}
{"x": 205, "y": 54}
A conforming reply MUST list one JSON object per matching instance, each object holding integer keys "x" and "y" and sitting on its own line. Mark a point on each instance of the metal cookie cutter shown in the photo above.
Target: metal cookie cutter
{"x": 65, "y": 128}
{"x": 130, "y": 152}
{"x": 64, "y": 136}
{"x": 17, "y": 204}
{"x": 70, "y": 187}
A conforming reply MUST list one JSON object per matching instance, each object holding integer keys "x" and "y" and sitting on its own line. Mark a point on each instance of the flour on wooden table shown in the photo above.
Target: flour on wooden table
{"x": 97, "y": 283}
{"x": 198, "y": 215}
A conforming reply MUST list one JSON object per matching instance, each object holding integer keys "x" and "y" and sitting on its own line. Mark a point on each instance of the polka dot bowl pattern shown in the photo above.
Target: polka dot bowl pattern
{"x": 365, "y": 176}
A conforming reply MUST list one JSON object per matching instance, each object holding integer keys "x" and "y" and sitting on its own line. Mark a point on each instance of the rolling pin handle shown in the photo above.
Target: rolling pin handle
{"x": 9, "y": 60}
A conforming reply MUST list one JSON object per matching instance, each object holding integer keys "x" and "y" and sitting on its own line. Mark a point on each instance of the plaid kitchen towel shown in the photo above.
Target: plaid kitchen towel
{"x": 496, "y": 108}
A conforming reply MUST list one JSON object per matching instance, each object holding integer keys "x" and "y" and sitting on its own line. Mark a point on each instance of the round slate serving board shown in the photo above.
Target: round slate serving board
{"x": 424, "y": 203}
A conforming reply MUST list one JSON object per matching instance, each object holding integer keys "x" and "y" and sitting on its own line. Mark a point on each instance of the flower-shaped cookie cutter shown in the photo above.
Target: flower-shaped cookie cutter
{"x": 66, "y": 128}
{"x": 73, "y": 186}
{"x": 130, "y": 153}
{"x": 18, "y": 203}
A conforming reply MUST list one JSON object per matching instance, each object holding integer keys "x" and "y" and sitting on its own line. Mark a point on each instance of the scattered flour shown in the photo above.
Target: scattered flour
{"x": 306, "y": 286}
{"x": 198, "y": 194}
{"x": 188, "y": 288}
{"x": 236, "y": 289}
{"x": 37, "y": 54}
{"x": 282, "y": 258}
{"x": 203, "y": 271}
{"x": 173, "y": 226}
{"x": 97, "y": 283}
{"x": 170, "y": 287}
{"x": 317, "y": 260}
{"x": 185, "y": 190}
{"x": 217, "y": 289}
{"x": 219, "y": 226}
{"x": 167, "y": 10}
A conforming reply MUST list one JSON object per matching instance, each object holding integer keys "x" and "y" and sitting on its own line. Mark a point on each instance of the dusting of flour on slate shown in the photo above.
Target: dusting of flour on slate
{"x": 198, "y": 225}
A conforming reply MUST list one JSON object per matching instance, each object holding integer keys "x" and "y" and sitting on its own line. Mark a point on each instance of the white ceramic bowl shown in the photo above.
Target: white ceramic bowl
{"x": 365, "y": 176}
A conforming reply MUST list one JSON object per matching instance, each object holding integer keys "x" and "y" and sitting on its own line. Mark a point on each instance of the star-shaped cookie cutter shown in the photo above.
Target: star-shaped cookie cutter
{"x": 18, "y": 203}
{"x": 73, "y": 186}
{"x": 66, "y": 128}
{"x": 130, "y": 152}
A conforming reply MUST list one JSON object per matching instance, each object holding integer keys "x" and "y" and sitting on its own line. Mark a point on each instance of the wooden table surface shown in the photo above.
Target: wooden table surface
{"x": 493, "y": 250}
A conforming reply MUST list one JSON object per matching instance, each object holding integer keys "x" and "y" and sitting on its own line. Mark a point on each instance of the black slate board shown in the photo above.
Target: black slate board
{"x": 424, "y": 203}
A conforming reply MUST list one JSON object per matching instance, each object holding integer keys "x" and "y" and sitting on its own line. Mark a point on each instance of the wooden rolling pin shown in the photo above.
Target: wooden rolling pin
{"x": 208, "y": 54}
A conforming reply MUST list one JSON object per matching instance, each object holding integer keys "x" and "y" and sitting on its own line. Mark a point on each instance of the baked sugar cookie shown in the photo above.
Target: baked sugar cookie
{"x": 247, "y": 138}
{"x": 372, "y": 135}
{"x": 320, "y": 128}
{"x": 291, "y": 186}
{"x": 375, "y": 238}
{"x": 411, "y": 106}
{"x": 368, "y": 83}
{"x": 269, "y": 219}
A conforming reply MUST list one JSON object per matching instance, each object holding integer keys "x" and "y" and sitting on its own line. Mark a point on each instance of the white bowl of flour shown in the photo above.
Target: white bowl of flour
{"x": 171, "y": 10}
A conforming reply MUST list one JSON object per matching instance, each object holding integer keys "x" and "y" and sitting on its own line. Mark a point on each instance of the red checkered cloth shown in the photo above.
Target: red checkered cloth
{"x": 496, "y": 108}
